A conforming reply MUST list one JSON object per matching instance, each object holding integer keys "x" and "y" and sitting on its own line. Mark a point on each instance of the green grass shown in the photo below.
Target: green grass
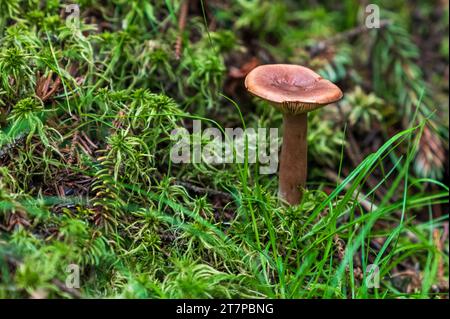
{"x": 266, "y": 250}
{"x": 86, "y": 177}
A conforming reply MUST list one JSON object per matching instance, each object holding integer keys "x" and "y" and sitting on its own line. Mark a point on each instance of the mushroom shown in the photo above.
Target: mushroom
{"x": 295, "y": 90}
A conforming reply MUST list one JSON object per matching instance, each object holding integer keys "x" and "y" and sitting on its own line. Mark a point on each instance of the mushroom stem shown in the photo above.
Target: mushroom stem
{"x": 293, "y": 161}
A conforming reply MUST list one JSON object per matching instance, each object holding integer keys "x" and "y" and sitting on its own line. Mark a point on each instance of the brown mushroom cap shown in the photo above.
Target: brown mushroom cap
{"x": 292, "y": 88}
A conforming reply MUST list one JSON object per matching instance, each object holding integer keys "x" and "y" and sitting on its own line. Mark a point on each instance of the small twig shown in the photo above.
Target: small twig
{"x": 60, "y": 191}
{"x": 83, "y": 144}
{"x": 72, "y": 147}
{"x": 181, "y": 25}
{"x": 53, "y": 90}
{"x": 43, "y": 90}
{"x": 356, "y": 31}
{"x": 346, "y": 35}
{"x": 94, "y": 146}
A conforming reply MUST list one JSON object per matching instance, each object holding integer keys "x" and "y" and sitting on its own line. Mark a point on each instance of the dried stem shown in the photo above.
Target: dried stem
{"x": 181, "y": 25}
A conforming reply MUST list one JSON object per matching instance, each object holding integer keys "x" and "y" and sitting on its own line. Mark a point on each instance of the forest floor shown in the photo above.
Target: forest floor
{"x": 91, "y": 204}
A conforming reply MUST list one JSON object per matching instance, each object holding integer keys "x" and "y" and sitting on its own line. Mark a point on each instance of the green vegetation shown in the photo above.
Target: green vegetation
{"x": 86, "y": 111}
